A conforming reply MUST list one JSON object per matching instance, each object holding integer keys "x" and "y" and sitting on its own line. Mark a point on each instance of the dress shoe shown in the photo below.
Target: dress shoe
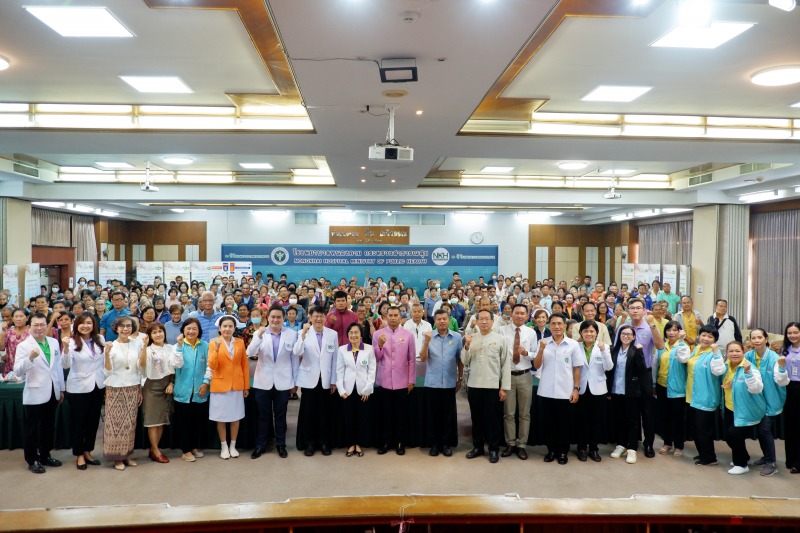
{"x": 257, "y": 453}
{"x": 582, "y": 455}
{"x": 383, "y": 449}
{"x": 594, "y": 455}
{"x": 493, "y": 456}
{"x": 562, "y": 459}
{"x": 309, "y": 451}
{"x": 401, "y": 450}
{"x": 197, "y": 453}
{"x": 446, "y": 451}
{"x": 93, "y": 462}
{"x": 160, "y": 458}
{"x": 51, "y": 461}
{"x": 649, "y": 452}
{"x": 521, "y": 453}
{"x": 507, "y": 451}
{"x": 326, "y": 450}
{"x": 282, "y": 452}
{"x": 474, "y": 452}
{"x": 434, "y": 451}
{"x": 130, "y": 462}
{"x": 119, "y": 465}
{"x": 81, "y": 467}
{"x": 550, "y": 457}
{"x": 37, "y": 468}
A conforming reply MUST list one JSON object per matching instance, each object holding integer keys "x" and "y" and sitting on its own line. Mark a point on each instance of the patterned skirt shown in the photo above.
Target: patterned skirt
{"x": 119, "y": 428}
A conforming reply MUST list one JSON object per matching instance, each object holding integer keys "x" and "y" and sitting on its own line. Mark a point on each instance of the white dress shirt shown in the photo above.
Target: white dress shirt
{"x": 527, "y": 339}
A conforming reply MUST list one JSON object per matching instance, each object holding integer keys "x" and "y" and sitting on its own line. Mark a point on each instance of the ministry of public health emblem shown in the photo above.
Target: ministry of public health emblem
{"x": 280, "y": 256}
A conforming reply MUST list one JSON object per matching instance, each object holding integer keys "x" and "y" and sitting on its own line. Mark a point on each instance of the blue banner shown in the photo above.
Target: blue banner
{"x": 411, "y": 264}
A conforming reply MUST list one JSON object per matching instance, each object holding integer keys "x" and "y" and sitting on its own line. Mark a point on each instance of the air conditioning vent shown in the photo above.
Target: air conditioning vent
{"x": 700, "y": 180}
{"x": 699, "y": 169}
{"x": 26, "y": 170}
{"x": 748, "y": 168}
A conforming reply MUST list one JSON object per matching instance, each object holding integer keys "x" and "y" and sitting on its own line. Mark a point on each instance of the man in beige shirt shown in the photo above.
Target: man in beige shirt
{"x": 487, "y": 355}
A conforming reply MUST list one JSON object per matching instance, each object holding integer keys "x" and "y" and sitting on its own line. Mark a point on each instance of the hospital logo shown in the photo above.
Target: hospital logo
{"x": 440, "y": 256}
{"x": 280, "y": 256}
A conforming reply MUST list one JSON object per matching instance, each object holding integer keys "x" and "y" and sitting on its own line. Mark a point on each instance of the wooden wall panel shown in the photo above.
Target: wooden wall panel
{"x": 129, "y": 232}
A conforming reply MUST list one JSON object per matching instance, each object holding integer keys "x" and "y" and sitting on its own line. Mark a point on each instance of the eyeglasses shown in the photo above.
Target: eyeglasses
{"x": 125, "y": 326}
{"x": 635, "y": 308}
{"x": 626, "y": 334}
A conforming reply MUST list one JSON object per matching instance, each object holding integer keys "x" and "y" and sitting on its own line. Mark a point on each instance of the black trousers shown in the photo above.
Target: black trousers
{"x": 591, "y": 415}
{"x": 356, "y": 414}
{"x": 441, "y": 406}
{"x": 791, "y": 413}
{"x": 84, "y": 419}
{"x": 486, "y": 411}
{"x": 704, "y": 434}
{"x": 395, "y": 415}
{"x": 626, "y": 412}
{"x": 315, "y": 411}
{"x": 190, "y": 424}
{"x": 272, "y": 405}
{"x": 557, "y": 421}
{"x": 647, "y": 412}
{"x": 40, "y": 429}
{"x": 673, "y": 418}
{"x": 736, "y": 437}
{"x": 766, "y": 437}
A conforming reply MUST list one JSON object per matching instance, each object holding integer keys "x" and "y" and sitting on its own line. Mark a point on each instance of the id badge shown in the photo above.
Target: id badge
{"x": 794, "y": 370}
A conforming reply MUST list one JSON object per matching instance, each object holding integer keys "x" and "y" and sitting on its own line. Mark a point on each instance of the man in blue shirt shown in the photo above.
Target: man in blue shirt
{"x": 441, "y": 351}
{"x": 207, "y": 317}
{"x": 118, "y": 309}
{"x": 430, "y": 302}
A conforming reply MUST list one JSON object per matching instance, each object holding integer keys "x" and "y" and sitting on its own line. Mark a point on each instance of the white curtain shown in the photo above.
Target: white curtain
{"x": 775, "y": 253}
{"x": 83, "y": 239}
{"x": 666, "y": 244}
{"x": 50, "y": 228}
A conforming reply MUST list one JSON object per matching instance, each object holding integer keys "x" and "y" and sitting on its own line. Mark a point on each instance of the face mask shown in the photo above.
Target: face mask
{"x": 55, "y": 289}
{"x": 453, "y": 301}
{"x": 292, "y": 301}
{"x": 438, "y": 285}
{"x": 240, "y": 325}
{"x": 518, "y": 279}
{"x": 256, "y": 320}
{"x": 494, "y": 277}
{"x": 392, "y": 298}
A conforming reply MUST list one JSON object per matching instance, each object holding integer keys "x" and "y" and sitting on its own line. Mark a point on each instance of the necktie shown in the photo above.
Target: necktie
{"x": 516, "y": 345}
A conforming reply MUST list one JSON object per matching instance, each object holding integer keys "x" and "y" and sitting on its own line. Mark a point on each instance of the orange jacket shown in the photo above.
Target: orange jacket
{"x": 228, "y": 374}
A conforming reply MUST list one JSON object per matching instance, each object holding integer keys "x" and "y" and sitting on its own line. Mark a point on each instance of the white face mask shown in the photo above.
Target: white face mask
{"x": 438, "y": 285}
{"x": 518, "y": 279}
{"x": 454, "y": 301}
{"x": 292, "y": 301}
{"x": 392, "y": 298}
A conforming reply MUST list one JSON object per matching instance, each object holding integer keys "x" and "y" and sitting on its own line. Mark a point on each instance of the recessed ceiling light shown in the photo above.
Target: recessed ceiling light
{"x": 256, "y": 166}
{"x": 786, "y": 5}
{"x": 419, "y": 111}
{"x": 711, "y": 36}
{"x": 178, "y": 160}
{"x": 80, "y": 21}
{"x": 49, "y": 204}
{"x": 363, "y": 168}
{"x": 615, "y": 93}
{"x": 393, "y": 181}
{"x": 363, "y": 181}
{"x": 573, "y": 165}
{"x": 157, "y": 84}
{"x": 776, "y": 77}
{"x": 4, "y": 63}
{"x": 795, "y": 105}
{"x": 113, "y": 164}
{"x": 496, "y": 170}
{"x": 695, "y": 12}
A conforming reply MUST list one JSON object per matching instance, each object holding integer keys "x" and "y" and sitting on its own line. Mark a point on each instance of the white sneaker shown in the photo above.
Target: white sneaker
{"x": 198, "y": 453}
{"x": 736, "y": 470}
{"x": 188, "y": 457}
{"x": 234, "y": 452}
{"x": 225, "y": 453}
{"x": 631, "y": 459}
{"x": 618, "y": 451}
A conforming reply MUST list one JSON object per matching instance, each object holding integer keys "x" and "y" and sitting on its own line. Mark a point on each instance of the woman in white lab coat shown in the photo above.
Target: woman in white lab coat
{"x": 355, "y": 381}
{"x": 591, "y": 415}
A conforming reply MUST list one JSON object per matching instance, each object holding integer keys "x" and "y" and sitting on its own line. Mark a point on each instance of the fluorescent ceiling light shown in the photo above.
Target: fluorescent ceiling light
{"x": 113, "y": 164}
{"x": 185, "y": 110}
{"x": 748, "y": 133}
{"x": 80, "y": 170}
{"x": 104, "y": 213}
{"x": 673, "y": 210}
{"x": 647, "y": 213}
{"x": 761, "y": 196}
{"x": 795, "y": 105}
{"x": 49, "y": 204}
{"x": 534, "y": 216}
{"x": 15, "y": 121}
{"x": 80, "y": 21}
{"x": 575, "y": 117}
{"x": 496, "y": 170}
{"x": 488, "y": 182}
{"x": 313, "y": 180}
{"x": 638, "y": 130}
{"x": 85, "y": 121}
{"x": 744, "y": 121}
{"x": 616, "y": 172}
{"x": 786, "y": 5}
{"x": 204, "y": 178}
{"x": 14, "y": 108}
{"x": 178, "y": 160}
{"x": 708, "y": 37}
{"x": 549, "y": 128}
{"x": 176, "y": 210}
{"x": 664, "y": 119}
{"x": 615, "y": 93}
{"x": 93, "y": 178}
{"x": 776, "y": 77}
{"x": 80, "y": 208}
{"x": 573, "y": 165}
{"x": 186, "y": 122}
{"x": 84, "y": 108}
{"x": 157, "y": 84}
{"x": 4, "y": 63}
{"x": 256, "y": 166}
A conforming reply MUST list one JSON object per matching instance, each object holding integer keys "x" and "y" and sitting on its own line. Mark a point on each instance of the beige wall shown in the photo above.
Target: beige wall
{"x": 18, "y": 234}
{"x": 705, "y": 243}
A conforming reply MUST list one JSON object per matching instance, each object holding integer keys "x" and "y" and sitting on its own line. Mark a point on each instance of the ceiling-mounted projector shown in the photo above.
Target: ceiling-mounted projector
{"x": 383, "y": 152}
{"x": 148, "y": 187}
{"x": 611, "y": 194}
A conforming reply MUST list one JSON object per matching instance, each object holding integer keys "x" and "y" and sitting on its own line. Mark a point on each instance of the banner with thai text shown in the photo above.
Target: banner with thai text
{"x": 110, "y": 270}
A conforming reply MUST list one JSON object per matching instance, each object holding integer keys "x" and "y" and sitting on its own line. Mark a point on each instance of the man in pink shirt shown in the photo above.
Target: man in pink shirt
{"x": 341, "y": 317}
{"x": 397, "y": 358}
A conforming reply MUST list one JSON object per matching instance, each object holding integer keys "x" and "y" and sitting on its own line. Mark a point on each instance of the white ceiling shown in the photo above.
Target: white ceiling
{"x": 462, "y": 47}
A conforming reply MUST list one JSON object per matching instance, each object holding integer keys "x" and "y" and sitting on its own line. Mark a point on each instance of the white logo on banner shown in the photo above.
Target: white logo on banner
{"x": 280, "y": 256}
{"x": 440, "y": 256}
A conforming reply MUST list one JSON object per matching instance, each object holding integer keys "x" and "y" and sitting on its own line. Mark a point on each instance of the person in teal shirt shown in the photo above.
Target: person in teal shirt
{"x": 190, "y": 392}
{"x": 670, "y": 297}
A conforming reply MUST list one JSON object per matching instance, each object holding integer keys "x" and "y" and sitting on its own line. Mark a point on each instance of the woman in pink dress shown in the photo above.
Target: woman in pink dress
{"x": 12, "y": 336}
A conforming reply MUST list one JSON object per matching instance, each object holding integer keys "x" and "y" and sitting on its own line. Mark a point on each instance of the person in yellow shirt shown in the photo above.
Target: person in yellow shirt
{"x": 689, "y": 319}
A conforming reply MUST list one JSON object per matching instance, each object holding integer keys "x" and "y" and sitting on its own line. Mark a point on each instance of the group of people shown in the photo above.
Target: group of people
{"x": 588, "y": 353}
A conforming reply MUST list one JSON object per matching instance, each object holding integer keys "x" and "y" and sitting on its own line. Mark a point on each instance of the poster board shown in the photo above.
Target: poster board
{"x": 110, "y": 270}
{"x": 147, "y": 271}
{"x": 683, "y": 280}
{"x": 32, "y": 286}
{"x": 670, "y": 275}
{"x": 628, "y": 275}
{"x": 84, "y": 269}
{"x": 173, "y": 269}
